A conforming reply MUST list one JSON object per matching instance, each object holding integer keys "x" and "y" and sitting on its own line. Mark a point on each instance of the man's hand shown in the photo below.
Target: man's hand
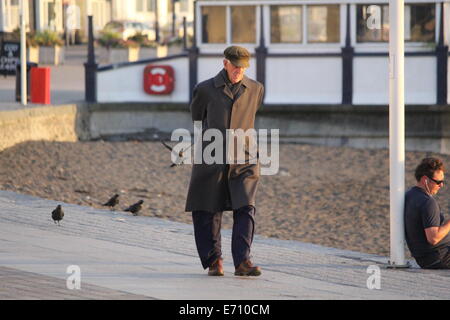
{"x": 436, "y": 234}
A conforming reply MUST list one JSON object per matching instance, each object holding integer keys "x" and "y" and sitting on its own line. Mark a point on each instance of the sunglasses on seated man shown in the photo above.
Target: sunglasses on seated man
{"x": 438, "y": 182}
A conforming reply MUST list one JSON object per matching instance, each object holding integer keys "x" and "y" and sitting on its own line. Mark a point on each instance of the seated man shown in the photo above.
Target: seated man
{"x": 427, "y": 235}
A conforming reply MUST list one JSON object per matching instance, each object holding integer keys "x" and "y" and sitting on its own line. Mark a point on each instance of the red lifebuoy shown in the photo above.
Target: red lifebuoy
{"x": 159, "y": 79}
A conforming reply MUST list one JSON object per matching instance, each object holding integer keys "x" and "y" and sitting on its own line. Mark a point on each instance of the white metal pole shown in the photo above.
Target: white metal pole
{"x": 396, "y": 131}
{"x": 23, "y": 54}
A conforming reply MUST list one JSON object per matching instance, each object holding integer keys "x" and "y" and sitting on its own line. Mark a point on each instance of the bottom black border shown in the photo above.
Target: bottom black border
{"x": 220, "y": 309}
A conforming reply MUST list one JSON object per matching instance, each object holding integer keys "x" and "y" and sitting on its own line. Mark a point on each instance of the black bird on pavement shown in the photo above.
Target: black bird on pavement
{"x": 135, "y": 208}
{"x": 57, "y": 214}
{"x": 180, "y": 159}
{"x": 114, "y": 201}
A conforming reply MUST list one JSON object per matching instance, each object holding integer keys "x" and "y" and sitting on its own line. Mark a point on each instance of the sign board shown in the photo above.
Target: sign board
{"x": 9, "y": 57}
{"x": 159, "y": 79}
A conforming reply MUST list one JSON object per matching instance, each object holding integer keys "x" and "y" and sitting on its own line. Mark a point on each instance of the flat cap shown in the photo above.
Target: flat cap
{"x": 239, "y": 56}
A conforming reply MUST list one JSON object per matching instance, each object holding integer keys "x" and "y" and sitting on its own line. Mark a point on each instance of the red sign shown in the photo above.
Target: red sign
{"x": 159, "y": 79}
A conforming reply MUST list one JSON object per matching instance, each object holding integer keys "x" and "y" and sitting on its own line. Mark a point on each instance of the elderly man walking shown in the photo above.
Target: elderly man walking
{"x": 227, "y": 101}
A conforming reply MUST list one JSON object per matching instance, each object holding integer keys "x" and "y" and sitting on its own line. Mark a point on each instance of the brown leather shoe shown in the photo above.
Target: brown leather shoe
{"x": 216, "y": 268}
{"x": 246, "y": 268}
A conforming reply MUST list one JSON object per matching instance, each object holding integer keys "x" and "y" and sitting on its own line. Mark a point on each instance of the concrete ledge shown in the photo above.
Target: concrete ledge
{"x": 273, "y": 108}
{"x": 345, "y": 108}
{"x": 427, "y": 127}
{"x": 137, "y": 106}
{"x": 107, "y": 123}
{"x": 56, "y": 123}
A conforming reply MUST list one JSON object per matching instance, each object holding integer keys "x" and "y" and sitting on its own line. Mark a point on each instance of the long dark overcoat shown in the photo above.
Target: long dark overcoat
{"x": 221, "y": 186}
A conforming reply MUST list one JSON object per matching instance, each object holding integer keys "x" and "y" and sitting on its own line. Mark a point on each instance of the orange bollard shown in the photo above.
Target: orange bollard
{"x": 40, "y": 85}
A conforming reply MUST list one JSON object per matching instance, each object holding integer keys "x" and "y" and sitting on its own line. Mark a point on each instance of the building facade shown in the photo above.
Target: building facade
{"x": 321, "y": 52}
{"x": 101, "y": 10}
{"x": 328, "y": 52}
{"x": 54, "y": 14}
{"x": 151, "y": 12}
{"x": 9, "y": 15}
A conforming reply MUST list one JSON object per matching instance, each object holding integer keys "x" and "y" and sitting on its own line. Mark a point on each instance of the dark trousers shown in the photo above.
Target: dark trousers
{"x": 207, "y": 227}
{"x": 439, "y": 259}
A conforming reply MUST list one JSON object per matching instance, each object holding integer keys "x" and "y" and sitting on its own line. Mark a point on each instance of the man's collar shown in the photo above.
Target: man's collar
{"x": 219, "y": 80}
{"x": 423, "y": 189}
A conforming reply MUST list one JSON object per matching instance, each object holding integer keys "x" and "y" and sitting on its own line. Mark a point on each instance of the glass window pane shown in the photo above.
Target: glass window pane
{"x": 323, "y": 23}
{"x": 139, "y": 5}
{"x": 372, "y": 23}
{"x": 243, "y": 24}
{"x": 51, "y": 15}
{"x": 286, "y": 24}
{"x": 184, "y": 5}
{"x": 422, "y": 23}
{"x": 214, "y": 24}
{"x": 150, "y": 5}
{"x": 385, "y": 23}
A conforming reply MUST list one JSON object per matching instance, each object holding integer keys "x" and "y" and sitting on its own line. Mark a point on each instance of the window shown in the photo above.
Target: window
{"x": 242, "y": 21}
{"x": 11, "y": 14}
{"x": 51, "y": 15}
{"x": 139, "y": 5}
{"x": 373, "y": 23}
{"x": 135, "y": 25}
{"x": 243, "y": 24}
{"x": 184, "y": 5}
{"x": 323, "y": 23}
{"x": 286, "y": 24}
{"x": 151, "y": 6}
{"x": 214, "y": 24}
{"x": 422, "y": 23}
{"x": 145, "y": 5}
{"x": 114, "y": 25}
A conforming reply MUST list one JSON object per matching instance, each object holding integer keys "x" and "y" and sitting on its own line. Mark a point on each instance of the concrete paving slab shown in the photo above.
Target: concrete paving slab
{"x": 156, "y": 258}
{"x": 17, "y": 284}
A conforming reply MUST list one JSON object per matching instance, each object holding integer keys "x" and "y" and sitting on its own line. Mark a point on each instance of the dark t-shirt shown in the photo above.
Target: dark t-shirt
{"x": 422, "y": 211}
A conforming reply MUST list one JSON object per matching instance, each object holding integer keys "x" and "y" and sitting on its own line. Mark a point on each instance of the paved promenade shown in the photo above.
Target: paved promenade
{"x": 125, "y": 257}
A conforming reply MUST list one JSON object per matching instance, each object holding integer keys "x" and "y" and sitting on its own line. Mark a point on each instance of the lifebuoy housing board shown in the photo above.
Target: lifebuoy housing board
{"x": 159, "y": 79}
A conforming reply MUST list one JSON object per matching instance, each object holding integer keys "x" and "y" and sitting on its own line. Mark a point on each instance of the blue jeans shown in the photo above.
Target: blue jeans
{"x": 439, "y": 259}
{"x": 207, "y": 234}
